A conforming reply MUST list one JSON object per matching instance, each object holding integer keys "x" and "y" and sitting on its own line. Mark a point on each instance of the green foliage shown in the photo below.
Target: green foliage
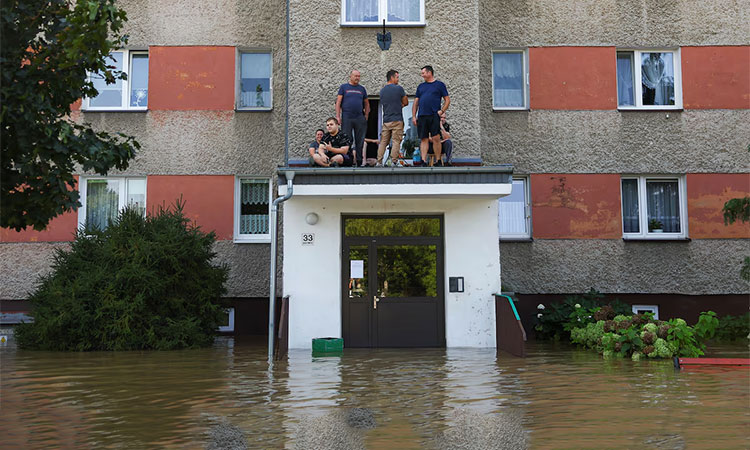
{"x": 143, "y": 283}
{"x": 736, "y": 209}
{"x": 731, "y": 328}
{"x": 638, "y": 335}
{"x": 558, "y": 319}
{"x": 654, "y": 224}
{"x": 47, "y": 48}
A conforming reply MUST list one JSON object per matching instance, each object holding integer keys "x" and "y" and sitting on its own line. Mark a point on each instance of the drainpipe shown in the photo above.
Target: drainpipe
{"x": 286, "y": 89}
{"x": 273, "y": 224}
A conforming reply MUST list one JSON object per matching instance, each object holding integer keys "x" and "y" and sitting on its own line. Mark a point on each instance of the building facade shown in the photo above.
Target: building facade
{"x": 625, "y": 124}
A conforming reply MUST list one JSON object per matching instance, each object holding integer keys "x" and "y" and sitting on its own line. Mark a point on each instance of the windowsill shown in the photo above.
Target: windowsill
{"x": 516, "y": 239}
{"x": 387, "y": 25}
{"x": 253, "y": 240}
{"x": 660, "y": 109}
{"x": 508, "y": 109}
{"x": 128, "y": 110}
{"x": 656, "y": 239}
{"x": 254, "y": 109}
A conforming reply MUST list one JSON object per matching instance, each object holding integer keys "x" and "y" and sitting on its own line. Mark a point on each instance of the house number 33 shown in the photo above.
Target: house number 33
{"x": 308, "y": 238}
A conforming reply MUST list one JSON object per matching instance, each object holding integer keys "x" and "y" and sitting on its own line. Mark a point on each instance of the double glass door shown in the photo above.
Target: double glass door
{"x": 392, "y": 293}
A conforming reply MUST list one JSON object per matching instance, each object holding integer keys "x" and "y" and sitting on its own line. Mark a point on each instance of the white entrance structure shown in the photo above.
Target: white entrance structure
{"x": 465, "y": 198}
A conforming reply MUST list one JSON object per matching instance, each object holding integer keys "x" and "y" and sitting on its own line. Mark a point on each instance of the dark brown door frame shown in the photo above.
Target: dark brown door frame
{"x": 372, "y": 242}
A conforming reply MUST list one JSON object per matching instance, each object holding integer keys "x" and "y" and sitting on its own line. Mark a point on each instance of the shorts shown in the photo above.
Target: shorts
{"x": 347, "y": 158}
{"x": 428, "y": 126}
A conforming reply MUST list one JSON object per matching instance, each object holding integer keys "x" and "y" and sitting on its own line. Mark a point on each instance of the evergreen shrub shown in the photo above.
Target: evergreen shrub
{"x": 143, "y": 283}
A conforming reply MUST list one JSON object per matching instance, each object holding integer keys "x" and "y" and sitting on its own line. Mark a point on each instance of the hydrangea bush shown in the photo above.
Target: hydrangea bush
{"x": 638, "y": 336}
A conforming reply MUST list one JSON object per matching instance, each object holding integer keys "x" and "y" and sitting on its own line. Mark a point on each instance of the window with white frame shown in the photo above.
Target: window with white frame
{"x": 653, "y": 207}
{"x": 227, "y": 322}
{"x": 130, "y": 94}
{"x": 514, "y": 212}
{"x": 509, "y": 79}
{"x": 649, "y": 79}
{"x": 103, "y": 198}
{"x": 252, "y": 202}
{"x": 255, "y": 81}
{"x": 653, "y": 309}
{"x": 373, "y": 12}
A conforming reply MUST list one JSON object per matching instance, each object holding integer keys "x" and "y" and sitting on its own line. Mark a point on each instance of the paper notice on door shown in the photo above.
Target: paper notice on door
{"x": 357, "y": 268}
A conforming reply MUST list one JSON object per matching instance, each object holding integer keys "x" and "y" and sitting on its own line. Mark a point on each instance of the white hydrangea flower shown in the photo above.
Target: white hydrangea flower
{"x": 539, "y": 316}
{"x": 540, "y": 306}
{"x": 578, "y": 305}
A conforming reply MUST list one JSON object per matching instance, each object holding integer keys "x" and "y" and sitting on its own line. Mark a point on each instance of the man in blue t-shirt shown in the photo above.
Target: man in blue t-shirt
{"x": 352, "y": 110}
{"x": 428, "y": 100}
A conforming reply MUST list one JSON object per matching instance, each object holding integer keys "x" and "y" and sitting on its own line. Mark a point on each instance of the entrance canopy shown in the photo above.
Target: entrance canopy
{"x": 446, "y": 182}
{"x": 375, "y": 255}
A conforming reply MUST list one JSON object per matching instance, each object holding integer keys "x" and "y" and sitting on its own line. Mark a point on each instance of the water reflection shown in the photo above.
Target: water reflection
{"x": 566, "y": 398}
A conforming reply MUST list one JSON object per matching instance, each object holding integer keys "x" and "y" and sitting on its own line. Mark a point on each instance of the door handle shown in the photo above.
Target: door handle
{"x": 375, "y": 301}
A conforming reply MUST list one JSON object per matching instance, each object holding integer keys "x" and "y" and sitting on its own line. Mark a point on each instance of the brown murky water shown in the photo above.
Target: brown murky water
{"x": 564, "y": 397}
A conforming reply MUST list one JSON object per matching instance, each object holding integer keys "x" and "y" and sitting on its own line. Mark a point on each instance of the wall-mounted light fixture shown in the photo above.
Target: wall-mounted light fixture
{"x": 311, "y": 218}
{"x": 384, "y": 39}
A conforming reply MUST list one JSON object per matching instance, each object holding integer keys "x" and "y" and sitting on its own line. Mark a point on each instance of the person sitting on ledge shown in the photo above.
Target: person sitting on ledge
{"x": 315, "y": 145}
{"x": 334, "y": 147}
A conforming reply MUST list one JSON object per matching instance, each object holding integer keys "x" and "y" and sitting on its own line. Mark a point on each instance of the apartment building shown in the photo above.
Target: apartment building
{"x": 610, "y": 134}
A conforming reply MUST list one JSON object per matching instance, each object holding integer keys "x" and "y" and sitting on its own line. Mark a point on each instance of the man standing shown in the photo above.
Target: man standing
{"x": 352, "y": 110}
{"x": 392, "y": 99}
{"x": 428, "y": 98}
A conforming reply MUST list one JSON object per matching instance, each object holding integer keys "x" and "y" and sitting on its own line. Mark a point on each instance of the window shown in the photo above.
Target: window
{"x": 255, "y": 81}
{"x": 251, "y": 210}
{"x": 653, "y": 309}
{"x": 653, "y": 207}
{"x": 130, "y": 94}
{"x": 649, "y": 79}
{"x": 227, "y": 325}
{"x": 103, "y": 198}
{"x": 373, "y": 12}
{"x": 509, "y": 80}
{"x": 514, "y": 212}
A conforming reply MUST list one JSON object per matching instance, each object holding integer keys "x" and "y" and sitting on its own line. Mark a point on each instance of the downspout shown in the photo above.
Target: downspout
{"x": 286, "y": 89}
{"x": 273, "y": 224}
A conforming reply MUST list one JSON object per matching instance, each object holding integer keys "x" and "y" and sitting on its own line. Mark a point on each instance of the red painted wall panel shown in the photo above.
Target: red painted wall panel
{"x": 60, "y": 229}
{"x": 576, "y": 206}
{"x": 573, "y": 78}
{"x": 209, "y": 199}
{"x": 706, "y": 195}
{"x": 716, "y": 77}
{"x": 191, "y": 78}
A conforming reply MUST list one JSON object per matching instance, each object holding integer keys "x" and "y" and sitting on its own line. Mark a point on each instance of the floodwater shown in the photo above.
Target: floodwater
{"x": 557, "y": 397}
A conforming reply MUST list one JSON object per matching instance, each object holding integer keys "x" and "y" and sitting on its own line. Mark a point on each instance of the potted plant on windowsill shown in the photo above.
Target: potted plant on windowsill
{"x": 655, "y": 226}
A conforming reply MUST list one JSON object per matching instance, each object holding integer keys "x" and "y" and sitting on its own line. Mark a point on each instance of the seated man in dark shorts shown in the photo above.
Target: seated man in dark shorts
{"x": 427, "y": 111}
{"x": 315, "y": 145}
{"x": 335, "y": 147}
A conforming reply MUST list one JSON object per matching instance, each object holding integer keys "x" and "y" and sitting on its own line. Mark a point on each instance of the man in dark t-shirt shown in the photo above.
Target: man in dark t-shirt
{"x": 352, "y": 110}
{"x": 427, "y": 111}
{"x": 392, "y": 99}
{"x": 335, "y": 146}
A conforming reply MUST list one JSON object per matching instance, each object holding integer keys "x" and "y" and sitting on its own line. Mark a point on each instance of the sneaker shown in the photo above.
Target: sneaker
{"x": 334, "y": 164}
{"x": 439, "y": 164}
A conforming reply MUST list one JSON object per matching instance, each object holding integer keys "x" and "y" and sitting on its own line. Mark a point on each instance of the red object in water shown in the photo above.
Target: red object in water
{"x": 679, "y": 362}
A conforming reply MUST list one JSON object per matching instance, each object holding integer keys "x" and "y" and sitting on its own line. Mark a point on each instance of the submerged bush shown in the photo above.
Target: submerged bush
{"x": 557, "y": 321}
{"x": 143, "y": 283}
{"x": 630, "y": 336}
{"x": 732, "y": 328}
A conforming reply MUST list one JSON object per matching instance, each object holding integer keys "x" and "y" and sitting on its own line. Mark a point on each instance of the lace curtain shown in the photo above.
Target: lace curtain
{"x": 663, "y": 204}
{"x": 657, "y": 78}
{"x": 508, "y": 79}
{"x": 254, "y": 207}
{"x": 369, "y": 10}
{"x": 630, "y": 216}
{"x": 102, "y": 203}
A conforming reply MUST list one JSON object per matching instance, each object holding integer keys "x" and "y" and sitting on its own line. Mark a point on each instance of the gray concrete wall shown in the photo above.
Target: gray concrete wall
{"x": 549, "y": 141}
{"x": 322, "y": 54}
{"x": 622, "y": 23}
{"x": 700, "y": 267}
{"x": 545, "y": 141}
